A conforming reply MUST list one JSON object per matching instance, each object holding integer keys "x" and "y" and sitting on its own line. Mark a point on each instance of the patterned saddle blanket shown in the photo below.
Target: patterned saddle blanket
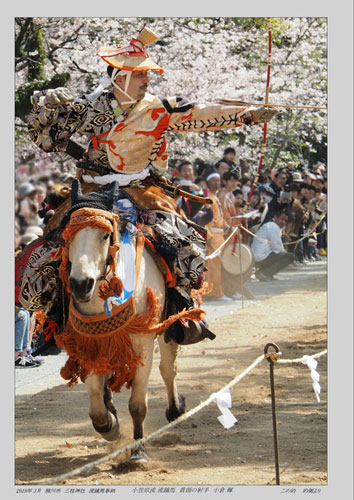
{"x": 177, "y": 245}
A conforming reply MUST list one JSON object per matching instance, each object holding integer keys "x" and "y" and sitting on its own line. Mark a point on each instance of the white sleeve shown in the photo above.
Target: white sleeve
{"x": 274, "y": 237}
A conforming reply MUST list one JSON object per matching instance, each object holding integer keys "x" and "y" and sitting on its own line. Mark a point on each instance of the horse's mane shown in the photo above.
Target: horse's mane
{"x": 124, "y": 219}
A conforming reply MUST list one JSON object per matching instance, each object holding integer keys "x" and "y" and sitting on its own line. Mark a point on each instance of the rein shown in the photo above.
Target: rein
{"x": 106, "y": 222}
{"x": 100, "y": 344}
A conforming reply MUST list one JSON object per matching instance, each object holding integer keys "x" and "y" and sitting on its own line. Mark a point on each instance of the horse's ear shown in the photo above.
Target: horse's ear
{"x": 112, "y": 192}
{"x": 75, "y": 191}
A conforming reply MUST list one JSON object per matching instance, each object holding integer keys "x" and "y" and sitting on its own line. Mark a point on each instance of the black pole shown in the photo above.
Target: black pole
{"x": 271, "y": 357}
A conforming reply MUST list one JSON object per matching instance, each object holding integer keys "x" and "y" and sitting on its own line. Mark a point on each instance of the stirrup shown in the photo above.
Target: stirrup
{"x": 191, "y": 334}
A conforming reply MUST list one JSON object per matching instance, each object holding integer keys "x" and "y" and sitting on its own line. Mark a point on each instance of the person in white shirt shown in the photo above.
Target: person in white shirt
{"x": 268, "y": 249}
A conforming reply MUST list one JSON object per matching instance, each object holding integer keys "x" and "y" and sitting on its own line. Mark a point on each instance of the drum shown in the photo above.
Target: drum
{"x": 238, "y": 262}
{"x": 235, "y": 270}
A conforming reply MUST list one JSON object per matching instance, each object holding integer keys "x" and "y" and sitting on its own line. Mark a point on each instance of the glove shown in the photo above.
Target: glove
{"x": 260, "y": 115}
{"x": 263, "y": 114}
{"x": 57, "y": 97}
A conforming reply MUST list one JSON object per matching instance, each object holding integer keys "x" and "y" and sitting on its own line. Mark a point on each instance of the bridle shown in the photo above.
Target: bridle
{"x": 103, "y": 220}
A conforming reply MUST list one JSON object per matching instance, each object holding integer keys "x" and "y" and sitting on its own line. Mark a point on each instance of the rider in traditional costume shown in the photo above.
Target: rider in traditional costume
{"x": 126, "y": 127}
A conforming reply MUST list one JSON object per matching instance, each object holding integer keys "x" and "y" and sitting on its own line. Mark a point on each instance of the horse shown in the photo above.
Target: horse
{"x": 88, "y": 253}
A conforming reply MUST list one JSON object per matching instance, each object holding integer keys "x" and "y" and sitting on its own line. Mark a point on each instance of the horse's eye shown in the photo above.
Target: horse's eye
{"x": 106, "y": 236}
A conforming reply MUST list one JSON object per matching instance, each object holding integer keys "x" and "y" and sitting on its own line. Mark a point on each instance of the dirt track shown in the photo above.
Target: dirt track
{"x": 200, "y": 451}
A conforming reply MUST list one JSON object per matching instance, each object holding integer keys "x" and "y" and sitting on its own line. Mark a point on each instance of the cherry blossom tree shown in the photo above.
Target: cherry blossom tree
{"x": 205, "y": 59}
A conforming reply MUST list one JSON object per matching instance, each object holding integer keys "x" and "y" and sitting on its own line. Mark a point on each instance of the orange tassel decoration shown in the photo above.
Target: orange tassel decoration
{"x": 114, "y": 287}
{"x": 100, "y": 344}
{"x": 198, "y": 295}
{"x": 40, "y": 319}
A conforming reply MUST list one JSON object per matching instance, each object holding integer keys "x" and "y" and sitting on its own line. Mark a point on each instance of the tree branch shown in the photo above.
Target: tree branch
{"x": 20, "y": 37}
{"x": 191, "y": 29}
{"x": 74, "y": 63}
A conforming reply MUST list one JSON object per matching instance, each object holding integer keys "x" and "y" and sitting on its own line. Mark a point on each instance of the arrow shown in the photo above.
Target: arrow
{"x": 236, "y": 102}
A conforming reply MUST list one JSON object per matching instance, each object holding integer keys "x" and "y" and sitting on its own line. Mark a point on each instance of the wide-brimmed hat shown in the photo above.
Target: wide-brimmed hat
{"x": 25, "y": 189}
{"x": 320, "y": 166}
{"x": 132, "y": 57}
{"x": 66, "y": 177}
{"x": 296, "y": 177}
{"x": 310, "y": 175}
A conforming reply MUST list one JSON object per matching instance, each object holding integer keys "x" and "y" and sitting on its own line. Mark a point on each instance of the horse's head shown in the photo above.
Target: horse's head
{"x": 91, "y": 235}
{"x": 88, "y": 254}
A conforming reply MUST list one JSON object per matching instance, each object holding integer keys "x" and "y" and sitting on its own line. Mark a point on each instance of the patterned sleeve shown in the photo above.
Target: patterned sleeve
{"x": 51, "y": 128}
{"x": 195, "y": 117}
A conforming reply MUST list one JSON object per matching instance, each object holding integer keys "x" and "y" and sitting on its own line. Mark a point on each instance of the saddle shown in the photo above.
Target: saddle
{"x": 150, "y": 198}
{"x": 171, "y": 230}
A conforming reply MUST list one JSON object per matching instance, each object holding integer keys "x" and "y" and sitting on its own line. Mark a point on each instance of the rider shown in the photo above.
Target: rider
{"x": 126, "y": 127}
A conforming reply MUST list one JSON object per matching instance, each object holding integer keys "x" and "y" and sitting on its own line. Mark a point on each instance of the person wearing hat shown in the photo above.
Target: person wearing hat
{"x": 126, "y": 125}
{"x": 26, "y": 189}
{"x": 66, "y": 178}
{"x": 297, "y": 177}
{"x": 309, "y": 177}
{"x": 28, "y": 204}
{"x": 319, "y": 183}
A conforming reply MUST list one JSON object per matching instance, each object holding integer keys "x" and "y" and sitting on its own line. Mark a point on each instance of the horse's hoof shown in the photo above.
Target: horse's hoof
{"x": 139, "y": 455}
{"x": 110, "y": 431}
{"x": 173, "y": 412}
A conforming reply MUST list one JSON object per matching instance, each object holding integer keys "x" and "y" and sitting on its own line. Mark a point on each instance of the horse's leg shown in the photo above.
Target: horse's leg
{"x": 168, "y": 370}
{"x": 108, "y": 400}
{"x": 138, "y": 402}
{"x": 99, "y": 405}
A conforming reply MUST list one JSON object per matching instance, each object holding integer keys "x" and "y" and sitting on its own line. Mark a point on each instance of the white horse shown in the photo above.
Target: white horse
{"x": 88, "y": 252}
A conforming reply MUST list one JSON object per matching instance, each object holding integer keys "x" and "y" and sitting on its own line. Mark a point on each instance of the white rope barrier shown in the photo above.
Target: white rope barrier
{"x": 216, "y": 253}
{"x": 185, "y": 416}
{"x": 163, "y": 429}
{"x": 301, "y": 360}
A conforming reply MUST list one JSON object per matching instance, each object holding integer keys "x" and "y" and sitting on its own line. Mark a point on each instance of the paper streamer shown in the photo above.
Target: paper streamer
{"x": 224, "y": 402}
{"x": 126, "y": 271}
{"x": 312, "y": 364}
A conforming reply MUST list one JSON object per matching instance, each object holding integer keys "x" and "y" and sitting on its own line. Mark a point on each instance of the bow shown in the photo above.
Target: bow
{"x": 255, "y": 180}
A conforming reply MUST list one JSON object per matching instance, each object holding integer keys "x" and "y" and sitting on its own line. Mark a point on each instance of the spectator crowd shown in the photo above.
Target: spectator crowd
{"x": 282, "y": 218}
{"x": 31, "y": 203}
